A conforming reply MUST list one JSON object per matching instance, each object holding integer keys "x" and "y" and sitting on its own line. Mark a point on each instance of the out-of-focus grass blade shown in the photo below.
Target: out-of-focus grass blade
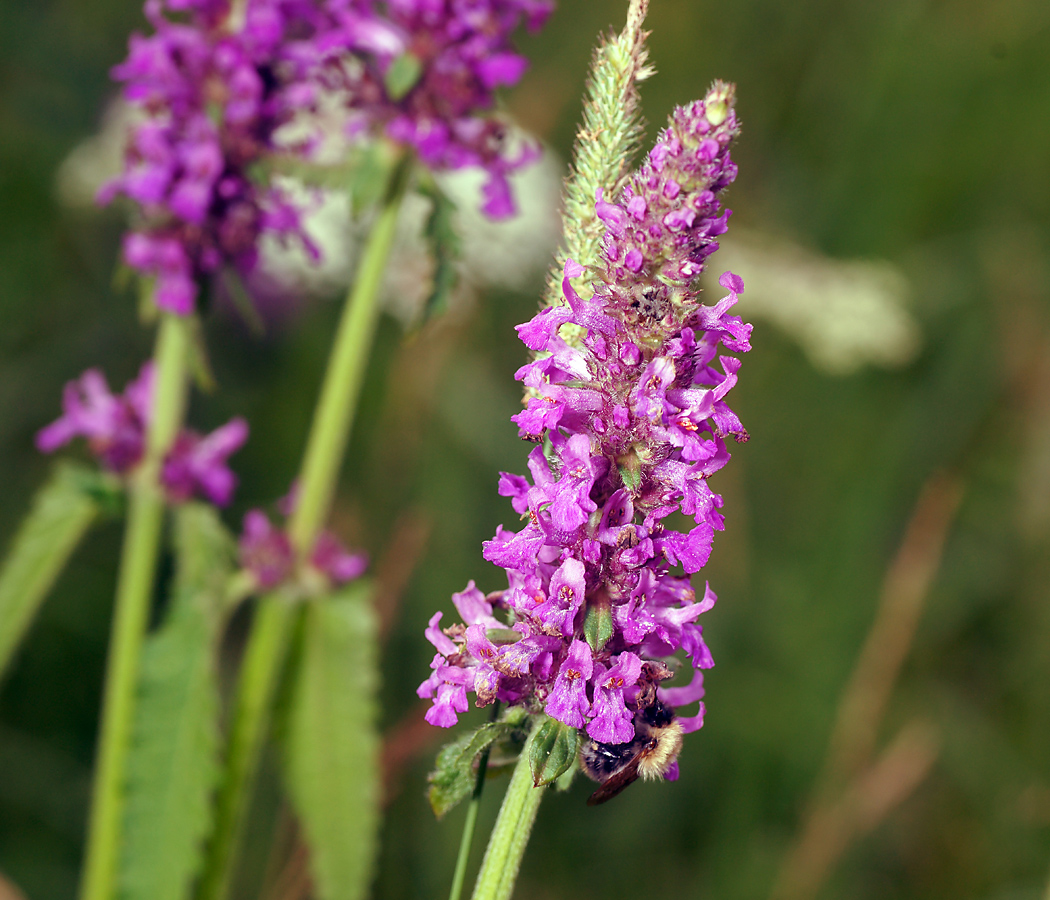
{"x": 331, "y": 745}
{"x": 173, "y": 768}
{"x": 62, "y": 512}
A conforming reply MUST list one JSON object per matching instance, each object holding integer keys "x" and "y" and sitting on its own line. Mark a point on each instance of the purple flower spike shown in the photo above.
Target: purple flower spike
{"x": 425, "y": 74}
{"x": 627, "y": 402}
{"x": 213, "y": 95}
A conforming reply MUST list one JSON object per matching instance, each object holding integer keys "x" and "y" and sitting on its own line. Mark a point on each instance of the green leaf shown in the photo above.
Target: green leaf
{"x": 331, "y": 743}
{"x": 173, "y": 766}
{"x": 445, "y": 246}
{"x": 402, "y": 75}
{"x": 552, "y": 752}
{"x": 565, "y": 780}
{"x": 456, "y": 768}
{"x": 62, "y": 512}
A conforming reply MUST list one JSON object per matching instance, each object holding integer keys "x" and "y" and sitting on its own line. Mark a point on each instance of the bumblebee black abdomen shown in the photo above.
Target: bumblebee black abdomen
{"x": 659, "y": 715}
{"x": 603, "y": 760}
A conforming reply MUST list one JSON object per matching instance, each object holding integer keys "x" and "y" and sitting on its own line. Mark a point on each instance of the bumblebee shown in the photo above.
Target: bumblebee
{"x": 657, "y": 742}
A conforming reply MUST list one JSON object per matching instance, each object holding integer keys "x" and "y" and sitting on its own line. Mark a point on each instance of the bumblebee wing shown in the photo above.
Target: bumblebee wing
{"x": 616, "y": 782}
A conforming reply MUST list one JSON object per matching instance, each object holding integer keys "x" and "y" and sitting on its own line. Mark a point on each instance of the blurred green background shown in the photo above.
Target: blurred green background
{"x": 909, "y": 131}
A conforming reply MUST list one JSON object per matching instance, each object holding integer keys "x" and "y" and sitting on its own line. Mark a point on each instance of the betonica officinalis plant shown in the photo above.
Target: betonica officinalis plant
{"x": 625, "y": 403}
{"x": 242, "y": 116}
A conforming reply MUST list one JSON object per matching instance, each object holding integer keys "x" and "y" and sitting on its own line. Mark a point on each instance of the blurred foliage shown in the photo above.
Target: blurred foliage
{"x": 913, "y": 131}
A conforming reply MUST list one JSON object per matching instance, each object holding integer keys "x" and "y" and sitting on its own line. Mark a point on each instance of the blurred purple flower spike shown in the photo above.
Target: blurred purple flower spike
{"x": 266, "y": 552}
{"x": 115, "y": 425}
{"x": 425, "y": 72}
{"x": 213, "y": 93}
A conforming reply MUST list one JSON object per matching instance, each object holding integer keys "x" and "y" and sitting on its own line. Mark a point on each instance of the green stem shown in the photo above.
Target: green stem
{"x": 276, "y": 616}
{"x": 256, "y": 685}
{"x": 499, "y": 868}
{"x": 138, "y": 563}
{"x": 467, "y": 839}
{"x": 337, "y": 404}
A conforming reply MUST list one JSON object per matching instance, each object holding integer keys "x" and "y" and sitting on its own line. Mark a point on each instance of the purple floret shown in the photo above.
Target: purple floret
{"x": 113, "y": 425}
{"x": 197, "y": 465}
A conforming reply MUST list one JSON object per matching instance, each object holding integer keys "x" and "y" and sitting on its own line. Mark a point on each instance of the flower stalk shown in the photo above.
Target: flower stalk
{"x": 510, "y": 835}
{"x": 138, "y": 563}
{"x": 275, "y": 618}
{"x": 459, "y": 876}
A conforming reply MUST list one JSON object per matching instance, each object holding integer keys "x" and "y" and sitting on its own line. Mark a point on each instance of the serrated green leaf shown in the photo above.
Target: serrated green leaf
{"x": 62, "y": 512}
{"x": 402, "y": 75}
{"x": 453, "y": 777}
{"x": 552, "y": 752}
{"x": 445, "y": 247}
{"x": 598, "y": 624}
{"x": 173, "y": 765}
{"x": 331, "y": 743}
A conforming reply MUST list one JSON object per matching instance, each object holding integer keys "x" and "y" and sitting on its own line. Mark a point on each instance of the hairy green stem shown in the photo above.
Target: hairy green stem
{"x": 471, "y": 820}
{"x": 276, "y": 616}
{"x": 337, "y": 404}
{"x": 499, "y": 868}
{"x": 138, "y": 563}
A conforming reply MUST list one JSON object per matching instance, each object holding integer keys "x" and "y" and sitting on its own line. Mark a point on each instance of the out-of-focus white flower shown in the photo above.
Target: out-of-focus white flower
{"x": 96, "y": 160}
{"x": 845, "y": 314}
{"x": 502, "y": 254}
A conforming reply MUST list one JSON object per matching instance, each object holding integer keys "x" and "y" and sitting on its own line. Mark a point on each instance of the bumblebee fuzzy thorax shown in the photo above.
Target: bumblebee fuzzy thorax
{"x": 660, "y": 751}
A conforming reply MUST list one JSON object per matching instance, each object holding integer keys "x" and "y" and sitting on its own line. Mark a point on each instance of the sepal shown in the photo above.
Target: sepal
{"x": 552, "y": 751}
{"x": 598, "y": 625}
